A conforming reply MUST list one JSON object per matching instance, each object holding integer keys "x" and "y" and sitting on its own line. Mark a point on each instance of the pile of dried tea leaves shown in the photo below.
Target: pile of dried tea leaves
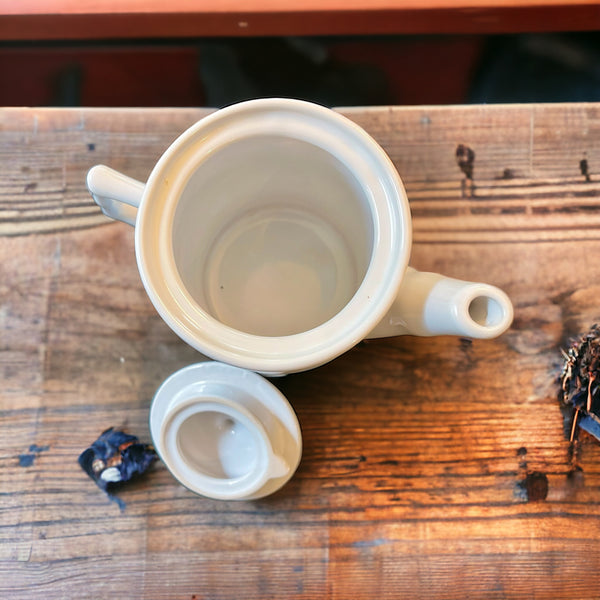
{"x": 114, "y": 458}
{"x": 580, "y": 384}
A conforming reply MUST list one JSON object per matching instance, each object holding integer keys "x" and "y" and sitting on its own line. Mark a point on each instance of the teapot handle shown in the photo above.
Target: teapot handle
{"x": 116, "y": 194}
{"x": 431, "y": 304}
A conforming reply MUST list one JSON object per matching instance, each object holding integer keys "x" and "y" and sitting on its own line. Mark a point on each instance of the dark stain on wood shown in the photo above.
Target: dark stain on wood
{"x": 585, "y": 169}
{"x": 465, "y": 158}
{"x": 535, "y": 486}
{"x": 27, "y": 459}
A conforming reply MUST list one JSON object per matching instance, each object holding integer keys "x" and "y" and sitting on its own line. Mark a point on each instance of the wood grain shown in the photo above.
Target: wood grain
{"x": 91, "y": 19}
{"x": 414, "y": 449}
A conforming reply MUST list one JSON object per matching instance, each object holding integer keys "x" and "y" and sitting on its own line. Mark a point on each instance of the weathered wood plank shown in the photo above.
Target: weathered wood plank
{"x": 414, "y": 449}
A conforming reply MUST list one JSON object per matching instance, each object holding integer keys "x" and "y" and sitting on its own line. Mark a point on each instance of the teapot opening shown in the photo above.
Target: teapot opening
{"x": 272, "y": 235}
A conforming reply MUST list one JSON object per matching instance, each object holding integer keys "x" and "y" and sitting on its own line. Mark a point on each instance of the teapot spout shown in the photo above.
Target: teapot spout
{"x": 431, "y": 304}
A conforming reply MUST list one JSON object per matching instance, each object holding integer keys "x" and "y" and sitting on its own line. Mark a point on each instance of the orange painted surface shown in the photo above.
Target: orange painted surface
{"x": 94, "y": 19}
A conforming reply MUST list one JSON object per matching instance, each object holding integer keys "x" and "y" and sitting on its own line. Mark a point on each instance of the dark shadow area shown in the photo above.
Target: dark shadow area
{"x": 334, "y": 71}
{"x": 538, "y": 68}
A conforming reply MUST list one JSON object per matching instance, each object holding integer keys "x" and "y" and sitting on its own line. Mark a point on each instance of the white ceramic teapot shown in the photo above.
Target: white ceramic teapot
{"x": 274, "y": 235}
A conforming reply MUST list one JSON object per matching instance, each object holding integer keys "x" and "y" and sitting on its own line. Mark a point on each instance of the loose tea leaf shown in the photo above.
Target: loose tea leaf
{"x": 580, "y": 384}
{"x": 114, "y": 458}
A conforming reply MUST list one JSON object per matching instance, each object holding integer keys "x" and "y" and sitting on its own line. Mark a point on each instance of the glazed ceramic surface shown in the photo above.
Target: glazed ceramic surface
{"x": 275, "y": 234}
{"x": 225, "y": 432}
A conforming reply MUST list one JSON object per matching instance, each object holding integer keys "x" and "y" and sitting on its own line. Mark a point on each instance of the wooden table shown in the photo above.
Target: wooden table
{"x": 100, "y": 19}
{"x": 415, "y": 450}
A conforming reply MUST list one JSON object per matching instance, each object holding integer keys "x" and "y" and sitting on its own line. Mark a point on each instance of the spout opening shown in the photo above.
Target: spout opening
{"x": 487, "y": 311}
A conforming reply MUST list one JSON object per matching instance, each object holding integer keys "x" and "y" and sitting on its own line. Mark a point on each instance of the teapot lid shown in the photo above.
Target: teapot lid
{"x": 225, "y": 432}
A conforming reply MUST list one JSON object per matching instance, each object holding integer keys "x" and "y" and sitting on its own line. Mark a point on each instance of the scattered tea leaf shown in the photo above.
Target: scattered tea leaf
{"x": 114, "y": 458}
{"x": 580, "y": 385}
